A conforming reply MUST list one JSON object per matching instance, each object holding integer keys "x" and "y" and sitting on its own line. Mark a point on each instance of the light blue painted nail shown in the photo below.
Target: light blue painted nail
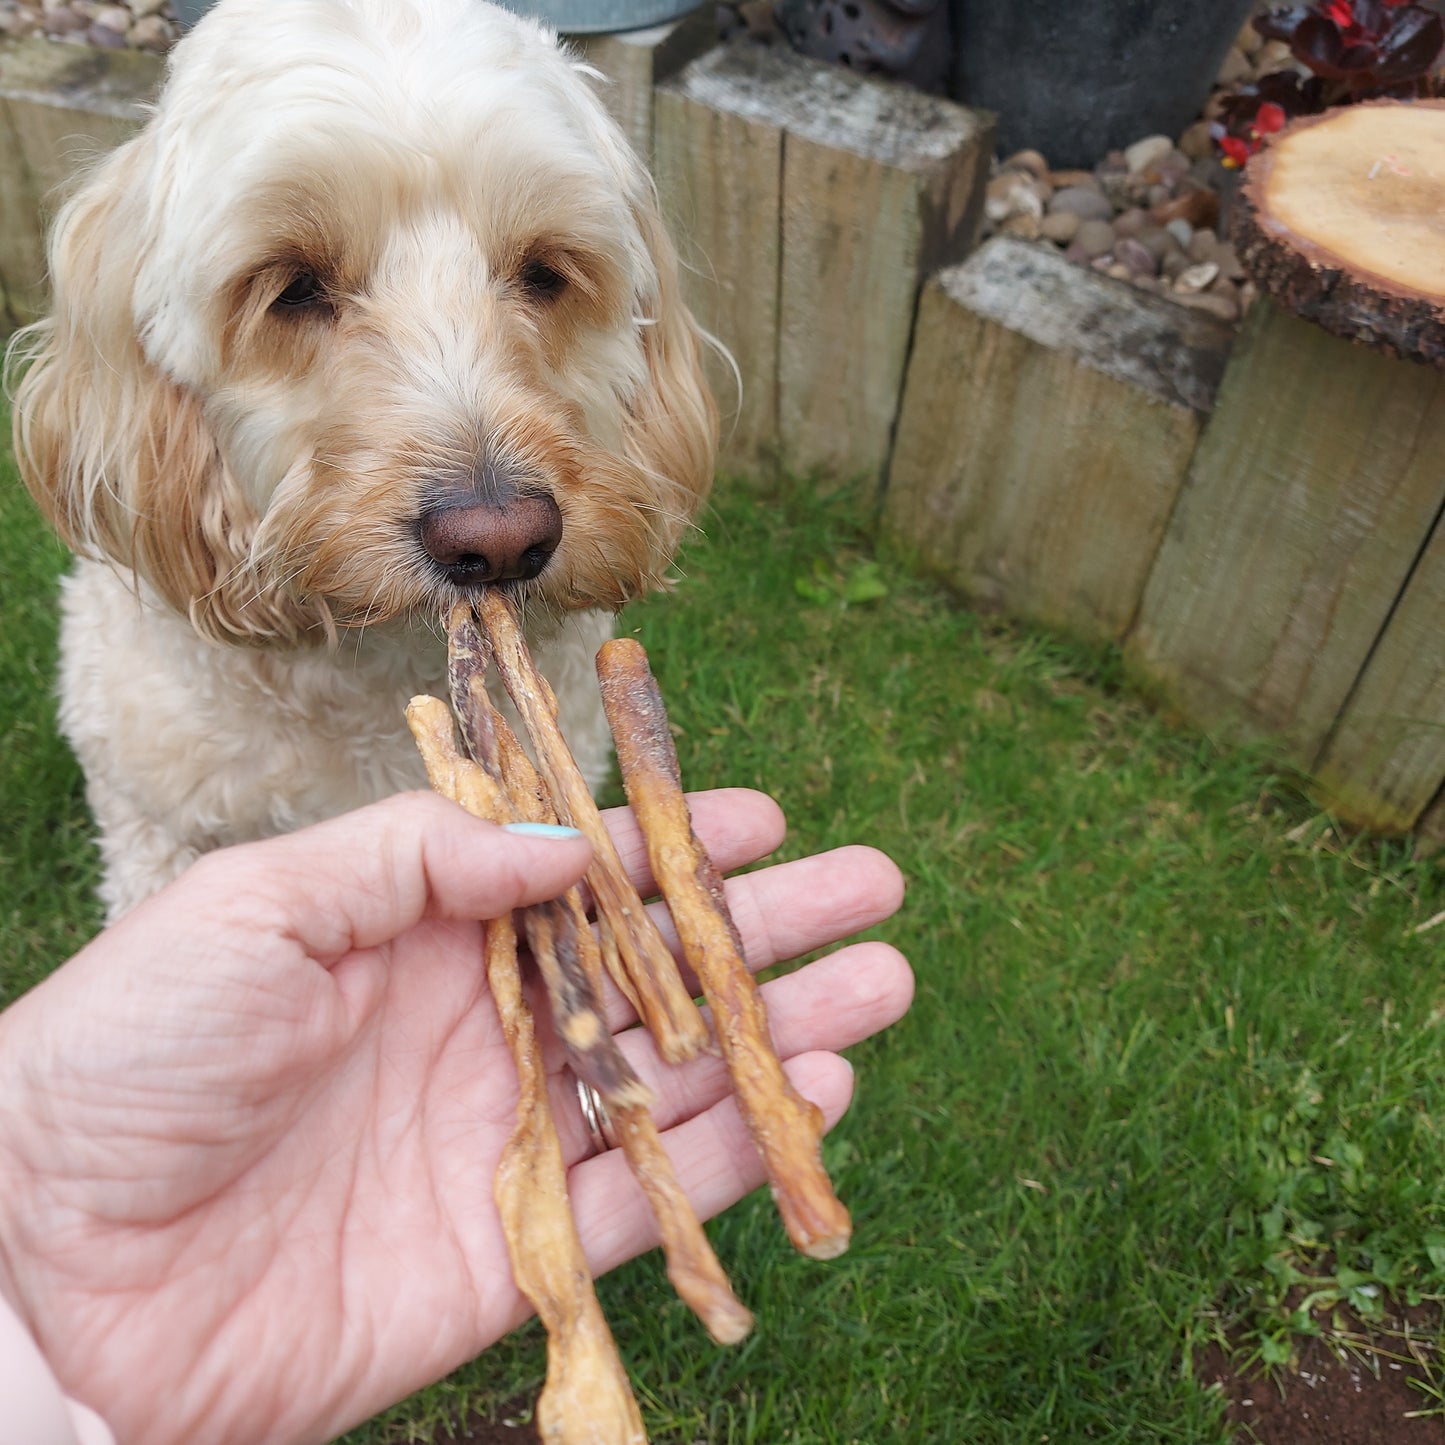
{"x": 541, "y": 830}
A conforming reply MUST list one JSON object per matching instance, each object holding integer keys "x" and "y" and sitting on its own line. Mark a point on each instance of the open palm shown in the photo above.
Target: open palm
{"x": 247, "y": 1158}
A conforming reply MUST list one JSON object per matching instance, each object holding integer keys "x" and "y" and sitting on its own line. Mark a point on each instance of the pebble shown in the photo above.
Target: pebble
{"x": 65, "y": 21}
{"x": 1093, "y": 238}
{"x": 1174, "y": 265}
{"x": 1271, "y": 56}
{"x": 1147, "y": 154}
{"x": 1228, "y": 261}
{"x": 1197, "y": 277}
{"x": 105, "y": 24}
{"x": 1157, "y": 241}
{"x": 1022, "y": 224}
{"x": 1181, "y": 230}
{"x": 1060, "y": 227}
{"x": 1088, "y": 203}
{"x": 1130, "y": 222}
{"x": 1236, "y": 69}
{"x": 1136, "y": 258}
{"x": 1202, "y": 245}
{"x": 1200, "y": 207}
{"x": 151, "y": 32}
{"x": 1196, "y": 142}
{"x": 1031, "y": 161}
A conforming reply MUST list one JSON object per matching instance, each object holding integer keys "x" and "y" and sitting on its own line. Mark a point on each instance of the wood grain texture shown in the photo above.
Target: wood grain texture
{"x": 1385, "y": 759}
{"x": 719, "y": 178}
{"x": 61, "y": 107}
{"x": 1313, "y": 489}
{"x": 1338, "y": 219}
{"x": 634, "y": 61}
{"x": 816, "y": 202}
{"x": 1047, "y": 423}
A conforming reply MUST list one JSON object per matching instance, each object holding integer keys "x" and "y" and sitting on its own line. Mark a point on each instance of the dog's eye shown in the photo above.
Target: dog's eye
{"x": 305, "y": 292}
{"x": 541, "y": 282}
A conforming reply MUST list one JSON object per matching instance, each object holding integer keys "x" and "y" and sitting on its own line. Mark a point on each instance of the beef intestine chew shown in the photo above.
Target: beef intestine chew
{"x": 692, "y": 1265}
{"x": 587, "y": 1398}
{"x": 646, "y": 973}
{"x": 786, "y": 1128}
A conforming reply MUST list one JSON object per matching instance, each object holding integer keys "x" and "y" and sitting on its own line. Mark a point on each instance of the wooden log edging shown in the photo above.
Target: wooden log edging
{"x": 816, "y": 202}
{"x": 61, "y": 107}
{"x": 1383, "y": 761}
{"x": 1287, "y": 560}
{"x": 1272, "y": 604}
{"x": 1048, "y": 418}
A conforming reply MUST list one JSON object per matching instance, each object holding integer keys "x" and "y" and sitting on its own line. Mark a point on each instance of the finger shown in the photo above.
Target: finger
{"x": 831, "y": 1004}
{"x": 364, "y": 878}
{"x": 792, "y": 908}
{"x": 713, "y": 1155}
{"x": 737, "y": 826}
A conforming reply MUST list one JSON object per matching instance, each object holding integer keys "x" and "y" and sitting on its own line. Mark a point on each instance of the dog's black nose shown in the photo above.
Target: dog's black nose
{"x": 480, "y": 541}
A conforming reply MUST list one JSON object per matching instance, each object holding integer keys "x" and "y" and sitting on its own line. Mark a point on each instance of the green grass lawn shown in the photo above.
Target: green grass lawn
{"x": 1176, "y": 1044}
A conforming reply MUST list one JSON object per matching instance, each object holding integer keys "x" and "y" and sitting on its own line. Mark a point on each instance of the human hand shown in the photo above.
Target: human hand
{"x": 250, "y": 1132}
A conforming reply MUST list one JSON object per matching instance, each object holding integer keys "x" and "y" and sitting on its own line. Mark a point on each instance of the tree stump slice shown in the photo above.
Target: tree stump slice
{"x": 1341, "y": 220}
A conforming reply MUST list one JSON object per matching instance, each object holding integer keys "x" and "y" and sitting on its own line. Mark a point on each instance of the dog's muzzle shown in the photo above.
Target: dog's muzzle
{"x": 479, "y": 540}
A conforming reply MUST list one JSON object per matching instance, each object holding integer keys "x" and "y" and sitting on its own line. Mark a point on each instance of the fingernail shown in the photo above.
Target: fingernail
{"x": 541, "y": 830}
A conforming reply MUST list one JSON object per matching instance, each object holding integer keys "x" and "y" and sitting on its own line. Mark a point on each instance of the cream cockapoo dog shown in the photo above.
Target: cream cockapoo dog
{"x": 376, "y": 310}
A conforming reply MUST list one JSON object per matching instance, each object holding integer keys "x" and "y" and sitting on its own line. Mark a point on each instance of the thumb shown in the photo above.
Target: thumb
{"x": 364, "y": 878}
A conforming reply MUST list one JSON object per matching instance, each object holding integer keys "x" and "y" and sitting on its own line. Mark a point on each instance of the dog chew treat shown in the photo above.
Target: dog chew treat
{"x": 787, "y": 1129}
{"x": 587, "y": 1398}
{"x": 552, "y": 929}
{"x": 648, "y": 972}
{"x": 692, "y": 1265}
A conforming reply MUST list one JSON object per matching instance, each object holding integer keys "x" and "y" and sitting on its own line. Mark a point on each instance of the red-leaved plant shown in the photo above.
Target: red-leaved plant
{"x": 1353, "y": 49}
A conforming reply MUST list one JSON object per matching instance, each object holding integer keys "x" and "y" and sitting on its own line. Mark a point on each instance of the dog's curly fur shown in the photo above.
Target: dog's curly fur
{"x": 367, "y": 257}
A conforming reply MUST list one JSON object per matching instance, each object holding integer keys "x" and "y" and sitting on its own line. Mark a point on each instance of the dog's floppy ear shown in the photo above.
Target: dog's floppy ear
{"x": 118, "y": 455}
{"x": 671, "y": 428}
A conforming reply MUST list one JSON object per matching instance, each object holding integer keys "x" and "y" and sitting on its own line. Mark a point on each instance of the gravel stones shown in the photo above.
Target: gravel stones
{"x": 1148, "y": 154}
{"x": 1147, "y": 214}
{"x": 1142, "y": 215}
{"x": 1087, "y": 202}
{"x": 105, "y": 24}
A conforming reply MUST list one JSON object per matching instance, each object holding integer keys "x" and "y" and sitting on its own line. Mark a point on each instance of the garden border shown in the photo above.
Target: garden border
{"x": 1259, "y": 527}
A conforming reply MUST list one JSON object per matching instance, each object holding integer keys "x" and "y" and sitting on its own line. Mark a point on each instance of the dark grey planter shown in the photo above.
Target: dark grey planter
{"x": 601, "y": 17}
{"x": 574, "y": 17}
{"x": 1078, "y": 78}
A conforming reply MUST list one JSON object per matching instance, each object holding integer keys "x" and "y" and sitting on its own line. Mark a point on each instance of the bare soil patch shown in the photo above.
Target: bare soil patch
{"x": 1356, "y": 1384}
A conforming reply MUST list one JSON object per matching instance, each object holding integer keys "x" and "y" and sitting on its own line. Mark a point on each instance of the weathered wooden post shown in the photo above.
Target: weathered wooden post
{"x": 814, "y": 202}
{"x": 632, "y": 62}
{"x": 1291, "y": 594}
{"x": 60, "y": 106}
{"x": 1047, "y": 422}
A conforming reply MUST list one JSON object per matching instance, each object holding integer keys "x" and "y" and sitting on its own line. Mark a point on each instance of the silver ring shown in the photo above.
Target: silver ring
{"x": 595, "y": 1117}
